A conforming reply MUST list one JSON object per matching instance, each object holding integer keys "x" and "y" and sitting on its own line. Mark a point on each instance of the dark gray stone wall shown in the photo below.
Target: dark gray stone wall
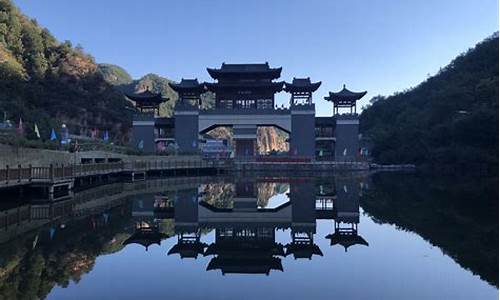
{"x": 186, "y": 210}
{"x": 186, "y": 131}
{"x": 347, "y": 202}
{"x": 302, "y": 197}
{"x": 144, "y": 131}
{"x": 245, "y": 147}
{"x": 302, "y": 139}
{"x": 347, "y": 140}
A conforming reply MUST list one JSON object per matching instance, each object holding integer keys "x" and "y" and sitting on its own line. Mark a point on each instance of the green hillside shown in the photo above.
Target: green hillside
{"x": 50, "y": 83}
{"x": 449, "y": 119}
{"x": 114, "y": 74}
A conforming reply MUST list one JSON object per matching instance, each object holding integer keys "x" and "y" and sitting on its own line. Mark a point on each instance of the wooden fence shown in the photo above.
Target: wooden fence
{"x": 17, "y": 175}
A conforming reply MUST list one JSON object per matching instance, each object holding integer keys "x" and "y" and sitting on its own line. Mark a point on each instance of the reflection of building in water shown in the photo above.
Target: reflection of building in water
{"x": 146, "y": 229}
{"x": 303, "y": 225}
{"x": 302, "y": 245}
{"x": 186, "y": 225}
{"x": 246, "y": 249}
{"x": 245, "y": 240}
{"x": 347, "y": 214}
{"x": 145, "y": 234}
{"x": 244, "y": 234}
{"x": 325, "y": 200}
{"x": 188, "y": 245}
{"x": 163, "y": 207}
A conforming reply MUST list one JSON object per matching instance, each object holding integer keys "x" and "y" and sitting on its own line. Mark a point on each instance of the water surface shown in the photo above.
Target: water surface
{"x": 349, "y": 236}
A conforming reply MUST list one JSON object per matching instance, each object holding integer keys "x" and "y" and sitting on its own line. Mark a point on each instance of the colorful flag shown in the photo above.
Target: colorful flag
{"x": 53, "y": 135}
{"x": 20, "y": 129}
{"x": 37, "y": 132}
{"x": 106, "y": 136}
{"x": 160, "y": 146}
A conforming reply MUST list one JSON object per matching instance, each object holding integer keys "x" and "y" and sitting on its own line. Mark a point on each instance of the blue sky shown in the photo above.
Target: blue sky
{"x": 380, "y": 46}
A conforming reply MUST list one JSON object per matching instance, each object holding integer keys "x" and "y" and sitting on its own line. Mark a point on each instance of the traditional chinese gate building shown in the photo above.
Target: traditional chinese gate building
{"x": 245, "y": 100}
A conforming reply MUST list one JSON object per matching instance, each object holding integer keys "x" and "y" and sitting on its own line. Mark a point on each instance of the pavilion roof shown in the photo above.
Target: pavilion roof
{"x": 345, "y": 95}
{"x": 147, "y": 96}
{"x": 302, "y": 85}
{"x": 274, "y": 86}
{"x": 145, "y": 239}
{"x": 346, "y": 240}
{"x": 190, "y": 250}
{"x": 261, "y": 70}
{"x": 187, "y": 85}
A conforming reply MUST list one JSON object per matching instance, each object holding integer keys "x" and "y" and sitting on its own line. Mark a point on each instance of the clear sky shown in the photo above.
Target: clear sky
{"x": 380, "y": 46}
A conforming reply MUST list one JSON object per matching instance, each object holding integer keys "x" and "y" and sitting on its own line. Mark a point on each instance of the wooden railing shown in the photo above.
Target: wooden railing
{"x": 10, "y": 175}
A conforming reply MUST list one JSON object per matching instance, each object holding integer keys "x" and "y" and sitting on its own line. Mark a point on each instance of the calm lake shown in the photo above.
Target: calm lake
{"x": 348, "y": 236}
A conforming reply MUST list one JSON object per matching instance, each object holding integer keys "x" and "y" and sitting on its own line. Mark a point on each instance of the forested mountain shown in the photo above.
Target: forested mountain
{"x": 124, "y": 83}
{"x": 114, "y": 74}
{"x": 450, "y": 118}
{"x": 49, "y": 83}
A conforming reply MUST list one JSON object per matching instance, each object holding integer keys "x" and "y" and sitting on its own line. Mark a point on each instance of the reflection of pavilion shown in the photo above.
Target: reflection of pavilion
{"x": 146, "y": 235}
{"x": 245, "y": 250}
{"x": 163, "y": 207}
{"x": 146, "y": 231}
{"x": 346, "y": 236}
{"x": 188, "y": 245}
{"x": 303, "y": 246}
{"x": 347, "y": 215}
{"x": 186, "y": 225}
{"x": 304, "y": 214}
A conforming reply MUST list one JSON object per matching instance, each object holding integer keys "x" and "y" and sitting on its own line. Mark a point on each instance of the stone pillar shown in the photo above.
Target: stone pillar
{"x": 302, "y": 137}
{"x": 303, "y": 199}
{"x": 245, "y": 140}
{"x": 186, "y": 127}
{"x": 346, "y": 138}
{"x": 186, "y": 211}
{"x": 143, "y": 132}
{"x": 347, "y": 202}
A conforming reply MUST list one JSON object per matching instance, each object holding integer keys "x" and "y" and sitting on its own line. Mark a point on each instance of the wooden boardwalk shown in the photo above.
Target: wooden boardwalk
{"x": 54, "y": 174}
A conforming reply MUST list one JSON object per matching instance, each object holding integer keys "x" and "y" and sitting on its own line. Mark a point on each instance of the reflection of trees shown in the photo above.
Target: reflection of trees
{"x": 34, "y": 272}
{"x": 167, "y": 227}
{"x": 460, "y": 216}
{"x": 219, "y": 195}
